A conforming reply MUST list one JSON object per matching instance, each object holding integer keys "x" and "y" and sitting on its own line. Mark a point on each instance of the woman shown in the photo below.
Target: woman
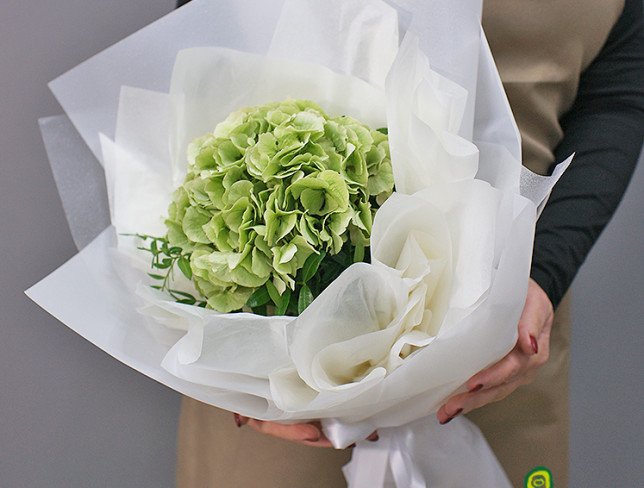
{"x": 572, "y": 70}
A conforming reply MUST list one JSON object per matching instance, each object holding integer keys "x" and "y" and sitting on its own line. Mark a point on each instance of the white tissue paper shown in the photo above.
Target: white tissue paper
{"x": 386, "y": 343}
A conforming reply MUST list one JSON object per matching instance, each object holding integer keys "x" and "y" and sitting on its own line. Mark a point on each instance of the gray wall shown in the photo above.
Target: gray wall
{"x": 607, "y": 373}
{"x": 70, "y": 416}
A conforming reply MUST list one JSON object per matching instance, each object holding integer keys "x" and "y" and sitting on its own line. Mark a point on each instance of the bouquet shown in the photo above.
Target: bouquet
{"x": 365, "y": 345}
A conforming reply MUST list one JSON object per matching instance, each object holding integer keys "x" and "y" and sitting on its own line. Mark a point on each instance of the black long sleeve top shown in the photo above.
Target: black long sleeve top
{"x": 605, "y": 128}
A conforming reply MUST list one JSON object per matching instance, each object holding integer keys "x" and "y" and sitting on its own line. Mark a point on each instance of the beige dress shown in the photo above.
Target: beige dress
{"x": 541, "y": 47}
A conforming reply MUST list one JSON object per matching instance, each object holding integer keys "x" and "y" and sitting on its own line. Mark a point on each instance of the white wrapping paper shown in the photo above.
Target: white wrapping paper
{"x": 386, "y": 343}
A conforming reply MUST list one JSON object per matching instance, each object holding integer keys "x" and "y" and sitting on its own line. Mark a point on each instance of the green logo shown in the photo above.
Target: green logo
{"x": 539, "y": 477}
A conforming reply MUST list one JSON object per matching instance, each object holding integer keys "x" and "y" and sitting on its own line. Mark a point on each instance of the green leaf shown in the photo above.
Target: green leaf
{"x": 156, "y": 287}
{"x": 261, "y": 310}
{"x": 304, "y": 299}
{"x": 184, "y": 266}
{"x": 156, "y": 276}
{"x": 183, "y": 294}
{"x": 358, "y": 253}
{"x": 286, "y": 298}
{"x": 311, "y": 266}
{"x": 258, "y": 298}
{"x": 344, "y": 258}
{"x": 273, "y": 293}
{"x": 153, "y": 248}
{"x": 187, "y": 301}
{"x": 383, "y": 130}
{"x": 164, "y": 264}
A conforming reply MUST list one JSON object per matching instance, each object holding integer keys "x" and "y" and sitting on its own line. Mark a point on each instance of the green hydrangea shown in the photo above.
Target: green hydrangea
{"x": 268, "y": 188}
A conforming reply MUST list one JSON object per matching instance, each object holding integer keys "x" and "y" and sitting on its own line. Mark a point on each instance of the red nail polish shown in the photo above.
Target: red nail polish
{"x": 534, "y": 344}
{"x": 478, "y": 387}
{"x": 238, "y": 420}
{"x": 452, "y": 417}
{"x": 373, "y": 437}
{"x": 351, "y": 446}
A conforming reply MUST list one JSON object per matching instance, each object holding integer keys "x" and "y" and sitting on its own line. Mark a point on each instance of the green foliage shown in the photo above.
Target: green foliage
{"x": 318, "y": 272}
{"x": 164, "y": 259}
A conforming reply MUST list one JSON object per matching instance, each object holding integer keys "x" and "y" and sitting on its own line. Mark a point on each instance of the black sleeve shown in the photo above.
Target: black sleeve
{"x": 605, "y": 128}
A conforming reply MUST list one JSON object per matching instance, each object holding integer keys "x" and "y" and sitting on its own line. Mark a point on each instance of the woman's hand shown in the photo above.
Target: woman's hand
{"x": 518, "y": 368}
{"x": 309, "y": 434}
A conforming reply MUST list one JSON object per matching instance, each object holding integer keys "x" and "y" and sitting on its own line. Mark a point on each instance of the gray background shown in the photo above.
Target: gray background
{"x": 70, "y": 416}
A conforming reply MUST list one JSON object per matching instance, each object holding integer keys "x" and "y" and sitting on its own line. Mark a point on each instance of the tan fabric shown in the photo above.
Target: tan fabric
{"x": 529, "y": 428}
{"x": 540, "y": 47}
{"x": 214, "y": 453}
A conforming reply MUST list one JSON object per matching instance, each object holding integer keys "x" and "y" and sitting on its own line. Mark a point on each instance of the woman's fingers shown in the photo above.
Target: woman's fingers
{"x": 536, "y": 317}
{"x": 309, "y": 434}
{"x": 305, "y": 433}
{"x": 515, "y": 369}
{"x": 490, "y": 395}
{"x": 497, "y": 381}
{"x": 518, "y": 367}
{"x": 451, "y": 409}
{"x": 503, "y": 371}
{"x": 532, "y": 346}
{"x": 240, "y": 420}
{"x": 466, "y": 402}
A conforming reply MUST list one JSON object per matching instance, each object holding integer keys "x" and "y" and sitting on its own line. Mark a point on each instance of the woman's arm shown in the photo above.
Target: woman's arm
{"x": 605, "y": 128}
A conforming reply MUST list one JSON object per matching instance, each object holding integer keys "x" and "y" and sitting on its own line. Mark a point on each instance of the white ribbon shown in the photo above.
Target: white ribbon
{"x": 425, "y": 454}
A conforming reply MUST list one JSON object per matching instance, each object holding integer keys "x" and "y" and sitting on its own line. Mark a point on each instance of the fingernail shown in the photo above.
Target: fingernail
{"x": 534, "y": 344}
{"x": 314, "y": 437}
{"x": 351, "y": 446}
{"x": 476, "y": 388}
{"x": 373, "y": 437}
{"x": 239, "y": 420}
{"x": 452, "y": 417}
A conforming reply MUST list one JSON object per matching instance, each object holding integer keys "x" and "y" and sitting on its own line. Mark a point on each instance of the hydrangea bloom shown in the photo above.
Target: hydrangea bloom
{"x": 269, "y": 187}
